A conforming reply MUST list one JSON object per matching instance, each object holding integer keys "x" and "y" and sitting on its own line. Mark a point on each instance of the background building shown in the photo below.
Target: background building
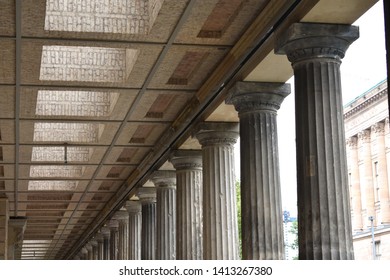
{"x": 368, "y": 157}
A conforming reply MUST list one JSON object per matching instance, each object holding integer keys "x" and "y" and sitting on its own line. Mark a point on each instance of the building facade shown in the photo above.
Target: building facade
{"x": 368, "y": 157}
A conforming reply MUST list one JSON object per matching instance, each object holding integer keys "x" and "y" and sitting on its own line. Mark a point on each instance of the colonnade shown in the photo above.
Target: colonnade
{"x": 369, "y": 163}
{"x": 191, "y": 213}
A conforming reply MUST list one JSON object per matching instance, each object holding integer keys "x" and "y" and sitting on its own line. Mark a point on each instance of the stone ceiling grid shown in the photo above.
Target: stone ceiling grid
{"x": 106, "y": 16}
{"x": 58, "y": 154}
{"x": 127, "y": 65}
{"x": 76, "y": 103}
{"x": 66, "y": 132}
{"x": 86, "y": 64}
{"x": 34, "y": 12}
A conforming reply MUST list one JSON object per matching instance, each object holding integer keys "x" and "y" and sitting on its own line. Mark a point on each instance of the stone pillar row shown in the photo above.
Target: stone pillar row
{"x": 206, "y": 225}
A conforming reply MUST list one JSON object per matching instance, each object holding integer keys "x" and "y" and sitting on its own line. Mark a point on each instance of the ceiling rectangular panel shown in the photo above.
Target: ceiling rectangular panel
{"x": 60, "y": 103}
{"x": 124, "y": 25}
{"x": 78, "y": 63}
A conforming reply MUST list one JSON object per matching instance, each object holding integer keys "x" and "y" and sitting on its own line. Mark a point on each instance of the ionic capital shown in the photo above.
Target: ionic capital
{"x": 352, "y": 142}
{"x": 307, "y": 41}
{"x": 364, "y": 136}
{"x": 106, "y": 231}
{"x": 133, "y": 206}
{"x": 164, "y": 178}
{"x": 121, "y": 215}
{"x": 255, "y": 96}
{"x": 147, "y": 195}
{"x": 378, "y": 128}
{"x": 217, "y": 134}
{"x": 187, "y": 159}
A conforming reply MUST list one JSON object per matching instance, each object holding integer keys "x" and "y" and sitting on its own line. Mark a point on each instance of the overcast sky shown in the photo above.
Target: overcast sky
{"x": 363, "y": 67}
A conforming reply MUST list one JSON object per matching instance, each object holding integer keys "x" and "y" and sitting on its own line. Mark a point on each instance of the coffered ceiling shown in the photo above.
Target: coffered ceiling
{"x": 95, "y": 94}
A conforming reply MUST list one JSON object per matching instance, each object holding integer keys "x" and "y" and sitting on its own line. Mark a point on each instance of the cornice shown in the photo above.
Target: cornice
{"x": 369, "y": 101}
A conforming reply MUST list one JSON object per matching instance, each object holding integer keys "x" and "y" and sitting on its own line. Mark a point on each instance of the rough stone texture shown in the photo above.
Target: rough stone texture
{"x": 100, "y": 246}
{"x": 147, "y": 197}
{"x": 165, "y": 182}
{"x": 4, "y": 217}
{"x": 134, "y": 209}
{"x": 261, "y": 202}
{"x": 220, "y": 229}
{"x": 123, "y": 230}
{"x": 315, "y": 51}
{"x": 113, "y": 225}
{"x": 189, "y": 194}
{"x": 106, "y": 232}
{"x": 90, "y": 251}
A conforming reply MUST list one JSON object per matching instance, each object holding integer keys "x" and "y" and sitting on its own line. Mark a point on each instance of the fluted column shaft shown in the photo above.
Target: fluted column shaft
{"x": 261, "y": 210}
{"x": 165, "y": 182}
{"x": 4, "y": 217}
{"x": 189, "y": 198}
{"x": 357, "y": 224}
{"x": 134, "y": 209}
{"x": 106, "y": 242}
{"x": 84, "y": 253}
{"x": 315, "y": 51}
{"x": 90, "y": 251}
{"x": 94, "y": 245}
{"x": 379, "y": 130}
{"x": 123, "y": 231}
{"x": 147, "y": 198}
{"x": 366, "y": 177}
{"x": 113, "y": 225}
{"x": 100, "y": 246}
{"x": 220, "y": 228}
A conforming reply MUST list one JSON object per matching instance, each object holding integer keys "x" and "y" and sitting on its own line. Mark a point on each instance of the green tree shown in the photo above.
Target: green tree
{"x": 294, "y": 230}
{"x": 238, "y": 196}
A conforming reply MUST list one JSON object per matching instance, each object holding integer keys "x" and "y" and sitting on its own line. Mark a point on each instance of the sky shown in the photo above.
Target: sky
{"x": 363, "y": 66}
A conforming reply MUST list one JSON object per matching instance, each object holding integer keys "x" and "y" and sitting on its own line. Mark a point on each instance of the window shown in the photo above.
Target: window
{"x": 377, "y": 250}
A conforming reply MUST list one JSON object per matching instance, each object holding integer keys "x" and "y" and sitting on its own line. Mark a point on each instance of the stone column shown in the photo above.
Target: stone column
{"x": 84, "y": 253}
{"x": 106, "y": 232}
{"x": 189, "y": 200}
{"x": 261, "y": 211}
{"x": 16, "y": 228}
{"x": 4, "y": 217}
{"x": 123, "y": 234}
{"x": 379, "y": 131}
{"x": 220, "y": 228}
{"x": 134, "y": 209}
{"x": 113, "y": 225}
{"x": 366, "y": 177}
{"x": 147, "y": 197}
{"x": 315, "y": 51}
{"x": 357, "y": 224}
{"x": 165, "y": 182}
{"x": 90, "y": 251}
{"x": 100, "y": 245}
{"x": 95, "y": 254}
